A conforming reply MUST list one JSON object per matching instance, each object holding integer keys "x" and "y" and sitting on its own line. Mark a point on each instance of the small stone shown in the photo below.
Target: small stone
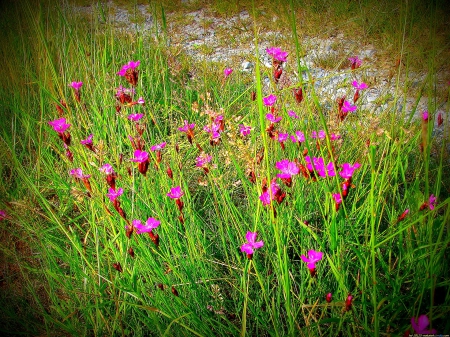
{"x": 247, "y": 66}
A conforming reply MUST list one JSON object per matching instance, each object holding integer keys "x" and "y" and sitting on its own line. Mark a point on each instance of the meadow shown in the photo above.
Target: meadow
{"x": 146, "y": 192}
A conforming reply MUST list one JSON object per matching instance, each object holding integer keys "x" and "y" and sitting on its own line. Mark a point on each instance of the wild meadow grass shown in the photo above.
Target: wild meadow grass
{"x": 140, "y": 199}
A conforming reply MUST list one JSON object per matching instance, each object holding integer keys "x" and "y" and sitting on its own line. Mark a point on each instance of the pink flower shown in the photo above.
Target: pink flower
{"x": 107, "y": 169}
{"x": 130, "y": 65}
{"x": 59, "y": 125}
{"x": 135, "y": 117}
{"x": 347, "y": 107}
{"x": 140, "y": 156}
{"x": 244, "y": 130}
{"x": 88, "y": 140}
{"x": 329, "y": 297}
{"x": 76, "y": 85}
{"x": 432, "y": 202}
{"x": 186, "y": 127}
{"x": 337, "y": 198}
{"x": 213, "y": 129}
{"x": 299, "y": 137}
{"x": 78, "y": 173}
{"x": 277, "y": 53}
{"x": 150, "y": 225}
{"x": 3, "y": 214}
{"x": 269, "y": 100}
{"x": 355, "y": 62}
{"x": 318, "y": 164}
{"x": 287, "y": 168}
{"x": 140, "y": 101}
{"x": 113, "y": 194}
{"x": 158, "y": 147}
{"x": 265, "y": 198}
{"x": 347, "y": 170}
{"x": 202, "y": 160}
{"x": 272, "y": 118}
{"x": 175, "y": 193}
{"x": 292, "y": 114}
{"x": 334, "y": 136}
{"x": 359, "y": 86}
{"x": 251, "y": 244}
{"x": 227, "y": 72}
{"x": 425, "y": 115}
{"x": 312, "y": 259}
{"x": 421, "y": 326}
{"x": 282, "y": 137}
{"x": 321, "y": 135}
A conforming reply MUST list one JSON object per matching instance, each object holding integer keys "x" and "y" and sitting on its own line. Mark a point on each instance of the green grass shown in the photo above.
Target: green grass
{"x": 60, "y": 244}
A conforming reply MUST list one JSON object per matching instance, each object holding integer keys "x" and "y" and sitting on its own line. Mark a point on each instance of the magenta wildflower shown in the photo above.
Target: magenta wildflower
{"x": 140, "y": 101}
{"x": 425, "y": 115}
{"x": 292, "y": 114}
{"x": 432, "y": 202}
{"x": 347, "y": 170}
{"x": 130, "y": 65}
{"x": 129, "y": 72}
{"x": 158, "y": 147}
{"x": 186, "y": 127}
{"x": 251, "y": 244}
{"x": 311, "y": 260}
{"x": 227, "y": 72}
{"x": 318, "y": 165}
{"x": 272, "y": 118}
{"x": 329, "y": 297}
{"x": 269, "y": 100}
{"x": 110, "y": 175}
{"x": 347, "y": 107}
{"x": 298, "y": 137}
{"x": 107, "y": 169}
{"x": 244, "y": 130}
{"x": 282, "y": 137}
{"x": 403, "y": 215}
{"x": 88, "y": 140}
{"x": 202, "y": 160}
{"x": 113, "y": 194}
{"x": 277, "y": 53}
{"x": 76, "y": 85}
{"x": 359, "y": 86}
{"x": 335, "y": 137}
{"x": 265, "y": 198}
{"x": 149, "y": 225}
{"x": 141, "y": 157}
{"x": 320, "y": 135}
{"x": 78, "y": 173}
{"x": 355, "y": 62}
{"x": 337, "y": 200}
{"x": 287, "y": 168}
{"x": 135, "y": 117}
{"x": 348, "y": 303}
{"x": 3, "y": 215}
{"x": 59, "y": 125}
{"x": 214, "y": 129}
{"x": 420, "y": 325}
{"x": 175, "y": 193}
